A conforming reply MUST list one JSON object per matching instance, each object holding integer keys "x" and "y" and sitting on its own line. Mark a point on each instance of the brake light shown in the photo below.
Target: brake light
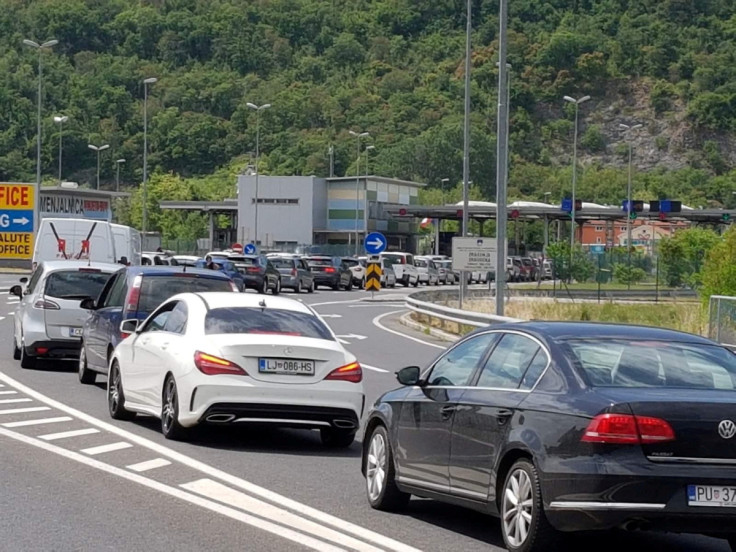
{"x": 213, "y": 366}
{"x": 350, "y": 372}
{"x": 293, "y": 272}
{"x": 45, "y": 304}
{"x": 95, "y": 270}
{"x": 329, "y": 269}
{"x": 131, "y": 305}
{"x": 253, "y": 269}
{"x": 626, "y": 429}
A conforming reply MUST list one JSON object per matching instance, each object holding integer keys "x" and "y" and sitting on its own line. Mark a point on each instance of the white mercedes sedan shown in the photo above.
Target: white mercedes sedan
{"x": 221, "y": 358}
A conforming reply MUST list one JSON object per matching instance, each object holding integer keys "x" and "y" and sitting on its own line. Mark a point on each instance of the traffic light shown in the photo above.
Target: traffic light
{"x": 632, "y": 215}
{"x": 726, "y": 217}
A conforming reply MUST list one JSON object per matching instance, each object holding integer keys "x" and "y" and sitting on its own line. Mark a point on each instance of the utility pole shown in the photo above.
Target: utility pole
{"x": 502, "y": 157}
{"x": 466, "y": 137}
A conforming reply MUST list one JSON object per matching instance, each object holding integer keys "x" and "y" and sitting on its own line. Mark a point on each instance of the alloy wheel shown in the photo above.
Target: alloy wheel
{"x": 516, "y": 513}
{"x": 376, "y": 466}
{"x": 168, "y": 412}
{"x": 114, "y": 389}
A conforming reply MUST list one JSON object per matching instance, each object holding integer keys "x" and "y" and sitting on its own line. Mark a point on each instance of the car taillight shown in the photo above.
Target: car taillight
{"x": 213, "y": 366}
{"x": 350, "y": 372}
{"x": 253, "y": 269}
{"x": 45, "y": 304}
{"x": 293, "y": 272}
{"x": 329, "y": 269}
{"x": 131, "y": 305}
{"x": 626, "y": 429}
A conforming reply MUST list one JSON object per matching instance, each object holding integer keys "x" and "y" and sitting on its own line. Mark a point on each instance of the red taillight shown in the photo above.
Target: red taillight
{"x": 42, "y": 350}
{"x": 329, "y": 269}
{"x": 293, "y": 272}
{"x": 625, "y": 429}
{"x": 254, "y": 269}
{"x": 131, "y": 305}
{"x": 45, "y": 304}
{"x": 213, "y": 366}
{"x": 350, "y": 372}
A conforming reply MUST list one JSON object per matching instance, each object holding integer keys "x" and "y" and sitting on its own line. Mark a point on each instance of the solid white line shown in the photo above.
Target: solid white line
{"x": 318, "y": 515}
{"x": 177, "y": 493}
{"x": 65, "y": 434}
{"x": 40, "y": 421}
{"x": 343, "y": 341}
{"x": 334, "y": 303}
{"x": 11, "y": 313}
{"x": 381, "y": 370}
{"x": 149, "y": 465}
{"x": 8, "y": 392}
{"x": 2, "y": 318}
{"x": 215, "y": 490}
{"x": 106, "y": 448}
{"x": 13, "y": 401}
{"x": 24, "y": 410}
{"x": 377, "y": 324}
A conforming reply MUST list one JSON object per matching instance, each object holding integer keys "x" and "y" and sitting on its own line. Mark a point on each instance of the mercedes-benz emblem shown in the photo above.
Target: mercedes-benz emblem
{"x": 726, "y": 429}
{"x": 289, "y": 350}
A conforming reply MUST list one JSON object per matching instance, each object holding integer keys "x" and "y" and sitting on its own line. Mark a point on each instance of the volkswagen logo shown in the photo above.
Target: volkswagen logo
{"x": 726, "y": 429}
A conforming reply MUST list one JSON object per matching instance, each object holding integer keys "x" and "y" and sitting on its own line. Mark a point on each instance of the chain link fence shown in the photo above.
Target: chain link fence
{"x": 722, "y": 319}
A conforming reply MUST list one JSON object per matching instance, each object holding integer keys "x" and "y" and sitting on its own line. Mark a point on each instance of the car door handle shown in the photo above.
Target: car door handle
{"x": 447, "y": 411}
{"x": 503, "y": 415}
{"x": 165, "y": 345}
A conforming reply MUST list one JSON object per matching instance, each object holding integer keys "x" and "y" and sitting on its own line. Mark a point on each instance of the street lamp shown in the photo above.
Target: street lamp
{"x": 146, "y": 82}
{"x": 574, "y": 168}
{"x": 98, "y": 149}
{"x": 40, "y": 47}
{"x": 117, "y": 174}
{"x": 60, "y": 120}
{"x": 628, "y": 130}
{"x": 358, "y": 136}
{"x": 258, "y": 109}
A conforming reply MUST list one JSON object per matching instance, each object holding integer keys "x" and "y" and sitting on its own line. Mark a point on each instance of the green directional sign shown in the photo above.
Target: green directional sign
{"x": 632, "y": 215}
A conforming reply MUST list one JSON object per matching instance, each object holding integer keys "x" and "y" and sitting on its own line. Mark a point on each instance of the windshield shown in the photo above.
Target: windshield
{"x": 157, "y": 289}
{"x": 249, "y": 320}
{"x": 624, "y": 363}
{"x": 351, "y": 262}
{"x": 75, "y": 284}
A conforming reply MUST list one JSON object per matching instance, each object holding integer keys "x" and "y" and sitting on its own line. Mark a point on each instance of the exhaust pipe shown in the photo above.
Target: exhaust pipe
{"x": 344, "y": 424}
{"x": 220, "y": 418}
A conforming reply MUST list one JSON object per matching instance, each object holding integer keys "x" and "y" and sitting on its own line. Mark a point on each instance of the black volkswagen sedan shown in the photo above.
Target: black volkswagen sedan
{"x": 558, "y": 427}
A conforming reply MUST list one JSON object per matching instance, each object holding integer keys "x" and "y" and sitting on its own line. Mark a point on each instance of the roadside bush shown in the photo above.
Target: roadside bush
{"x": 627, "y": 275}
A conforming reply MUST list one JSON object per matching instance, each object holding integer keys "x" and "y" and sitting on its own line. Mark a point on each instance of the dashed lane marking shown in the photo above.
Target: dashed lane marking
{"x": 39, "y": 421}
{"x": 8, "y": 392}
{"x": 68, "y": 434}
{"x": 93, "y": 451}
{"x": 24, "y": 410}
{"x": 149, "y": 465}
{"x": 12, "y": 401}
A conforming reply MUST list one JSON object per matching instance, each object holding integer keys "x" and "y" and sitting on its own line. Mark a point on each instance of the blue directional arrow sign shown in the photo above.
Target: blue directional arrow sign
{"x": 249, "y": 249}
{"x": 12, "y": 220}
{"x": 375, "y": 243}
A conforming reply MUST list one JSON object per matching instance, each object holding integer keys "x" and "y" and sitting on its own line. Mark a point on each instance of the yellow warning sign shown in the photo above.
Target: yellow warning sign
{"x": 16, "y": 245}
{"x": 373, "y": 276}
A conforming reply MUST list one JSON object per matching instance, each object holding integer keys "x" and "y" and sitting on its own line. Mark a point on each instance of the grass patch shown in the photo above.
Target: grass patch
{"x": 592, "y": 286}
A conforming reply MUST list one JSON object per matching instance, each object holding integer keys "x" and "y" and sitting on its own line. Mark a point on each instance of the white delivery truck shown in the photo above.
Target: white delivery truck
{"x": 127, "y": 244}
{"x": 73, "y": 238}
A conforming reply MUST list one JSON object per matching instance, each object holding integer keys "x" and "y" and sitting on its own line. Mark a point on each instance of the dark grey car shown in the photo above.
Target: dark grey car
{"x": 295, "y": 273}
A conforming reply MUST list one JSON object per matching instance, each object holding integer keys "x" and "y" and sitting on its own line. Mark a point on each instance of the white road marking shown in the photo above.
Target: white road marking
{"x": 376, "y": 304}
{"x": 219, "y": 492}
{"x": 24, "y": 410}
{"x": 366, "y": 534}
{"x": 149, "y": 465}
{"x": 377, "y": 324}
{"x": 11, "y": 313}
{"x": 352, "y": 336}
{"x": 67, "y": 434}
{"x": 2, "y": 318}
{"x": 331, "y": 315}
{"x": 8, "y": 392}
{"x": 343, "y": 341}
{"x": 253, "y": 521}
{"x": 12, "y": 401}
{"x": 40, "y": 421}
{"x": 334, "y": 303}
{"x": 92, "y": 451}
{"x": 381, "y": 370}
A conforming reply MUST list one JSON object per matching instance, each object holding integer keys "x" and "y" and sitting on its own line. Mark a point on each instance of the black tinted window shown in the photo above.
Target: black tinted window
{"x": 508, "y": 362}
{"x": 351, "y": 262}
{"x": 459, "y": 363}
{"x": 319, "y": 262}
{"x": 75, "y": 284}
{"x": 282, "y": 263}
{"x": 157, "y": 289}
{"x": 247, "y": 320}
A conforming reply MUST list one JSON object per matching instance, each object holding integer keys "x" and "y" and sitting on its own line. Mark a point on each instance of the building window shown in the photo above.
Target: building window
{"x": 599, "y": 229}
{"x": 276, "y": 201}
{"x": 598, "y": 240}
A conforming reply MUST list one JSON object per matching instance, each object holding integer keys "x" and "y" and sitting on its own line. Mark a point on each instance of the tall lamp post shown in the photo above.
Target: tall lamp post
{"x": 258, "y": 109}
{"x": 146, "y": 82}
{"x": 40, "y": 47}
{"x": 577, "y": 103}
{"x": 358, "y": 136}
{"x": 628, "y": 131}
{"x": 60, "y": 120}
{"x": 117, "y": 174}
{"x": 98, "y": 149}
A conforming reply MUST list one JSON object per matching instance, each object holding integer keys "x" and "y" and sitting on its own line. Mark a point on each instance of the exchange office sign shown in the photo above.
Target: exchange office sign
{"x": 16, "y": 221}
{"x": 71, "y": 205}
{"x": 474, "y": 254}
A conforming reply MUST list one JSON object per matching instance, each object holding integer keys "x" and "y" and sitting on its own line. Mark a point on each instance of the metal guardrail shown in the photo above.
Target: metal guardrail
{"x": 428, "y": 303}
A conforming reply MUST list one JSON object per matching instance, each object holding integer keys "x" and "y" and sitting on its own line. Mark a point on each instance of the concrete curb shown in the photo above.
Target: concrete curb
{"x": 434, "y": 332}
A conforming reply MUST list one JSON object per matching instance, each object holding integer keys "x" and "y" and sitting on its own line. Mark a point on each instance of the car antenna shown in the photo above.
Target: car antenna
{"x": 262, "y": 303}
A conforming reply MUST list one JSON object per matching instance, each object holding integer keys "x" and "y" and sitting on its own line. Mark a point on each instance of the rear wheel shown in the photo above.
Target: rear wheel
{"x": 115, "y": 395}
{"x": 298, "y": 287}
{"x": 277, "y": 289}
{"x": 16, "y": 350}
{"x": 170, "y": 426}
{"x": 264, "y": 286}
{"x": 349, "y": 287}
{"x": 416, "y": 283}
{"x": 337, "y": 438}
{"x": 26, "y": 361}
{"x": 336, "y": 287}
{"x": 380, "y": 477}
{"x": 86, "y": 376}
{"x": 310, "y": 289}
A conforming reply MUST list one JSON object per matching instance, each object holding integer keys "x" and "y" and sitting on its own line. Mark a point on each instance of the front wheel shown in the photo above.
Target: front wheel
{"x": 115, "y": 395}
{"x": 523, "y": 523}
{"x": 380, "y": 477}
{"x": 349, "y": 287}
{"x": 86, "y": 376}
{"x": 170, "y": 426}
{"x": 416, "y": 283}
{"x": 264, "y": 286}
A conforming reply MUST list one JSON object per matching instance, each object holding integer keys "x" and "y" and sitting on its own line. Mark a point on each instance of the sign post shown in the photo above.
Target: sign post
{"x": 373, "y": 274}
{"x": 17, "y": 221}
{"x": 474, "y": 255}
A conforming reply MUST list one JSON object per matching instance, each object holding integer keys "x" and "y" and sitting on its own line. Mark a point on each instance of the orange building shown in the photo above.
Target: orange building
{"x": 644, "y": 233}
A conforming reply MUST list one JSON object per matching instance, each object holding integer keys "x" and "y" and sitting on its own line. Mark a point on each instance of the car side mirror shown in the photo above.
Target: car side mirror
{"x": 408, "y": 375}
{"x": 24, "y": 280}
{"x": 17, "y": 291}
{"x": 88, "y": 304}
{"x": 129, "y": 326}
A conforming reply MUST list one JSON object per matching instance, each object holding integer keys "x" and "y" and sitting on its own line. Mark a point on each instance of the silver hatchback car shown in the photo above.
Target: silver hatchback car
{"x": 49, "y": 319}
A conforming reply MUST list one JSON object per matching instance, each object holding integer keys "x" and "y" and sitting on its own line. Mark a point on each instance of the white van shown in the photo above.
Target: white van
{"x": 127, "y": 243}
{"x": 403, "y": 265}
{"x": 71, "y": 238}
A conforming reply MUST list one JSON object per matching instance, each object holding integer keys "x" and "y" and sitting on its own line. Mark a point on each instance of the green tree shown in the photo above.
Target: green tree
{"x": 681, "y": 257}
{"x": 719, "y": 271}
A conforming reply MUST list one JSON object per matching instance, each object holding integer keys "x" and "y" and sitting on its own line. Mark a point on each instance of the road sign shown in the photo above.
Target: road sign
{"x": 375, "y": 243}
{"x": 249, "y": 249}
{"x": 474, "y": 254}
{"x": 373, "y": 274}
{"x": 17, "y": 217}
{"x": 237, "y": 247}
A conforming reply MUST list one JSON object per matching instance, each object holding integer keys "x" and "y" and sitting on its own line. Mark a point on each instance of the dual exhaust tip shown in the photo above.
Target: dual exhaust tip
{"x": 227, "y": 418}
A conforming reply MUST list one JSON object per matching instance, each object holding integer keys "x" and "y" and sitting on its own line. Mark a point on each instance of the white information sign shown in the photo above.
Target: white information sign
{"x": 474, "y": 254}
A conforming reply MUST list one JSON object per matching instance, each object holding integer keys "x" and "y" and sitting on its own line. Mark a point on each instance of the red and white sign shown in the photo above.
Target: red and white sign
{"x": 237, "y": 247}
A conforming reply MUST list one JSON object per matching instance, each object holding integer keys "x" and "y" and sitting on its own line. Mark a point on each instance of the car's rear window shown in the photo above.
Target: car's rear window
{"x": 420, "y": 263}
{"x": 75, "y": 284}
{"x": 625, "y": 363}
{"x": 157, "y": 289}
{"x": 351, "y": 262}
{"x": 319, "y": 262}
{"x": 282, "y": 263}
{"x": 250, "y": 320}
{"x": 395, "y": 259}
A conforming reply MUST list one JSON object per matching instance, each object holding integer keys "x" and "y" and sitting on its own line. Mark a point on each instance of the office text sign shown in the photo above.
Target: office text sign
{"x": 474, "y": 254}
{"x": 17, "y": 202}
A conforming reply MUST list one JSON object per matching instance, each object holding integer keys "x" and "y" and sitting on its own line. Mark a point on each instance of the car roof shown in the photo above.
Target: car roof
{"x": 168, "y": 270}
{"x": 223, "y": 299}
{"x": 562, "y": 330}
{"x": 50, "y": 266}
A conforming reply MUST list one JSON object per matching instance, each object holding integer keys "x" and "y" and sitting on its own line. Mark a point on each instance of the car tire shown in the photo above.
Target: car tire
{"x": 264, "y": 286}
{"x": 116, "y": 396}
{"x": 349, "y": 287}
{"x": 16, "y": 350}
{"x": 298, "y": 287}
{"x": 170, "y": 426}
{"x": 311, "y": 287}
{"x": 522, "y": 482}
{"x": 336, "y": 287}
{"x": 277, "y": 289}
{"x": 416, "y": 284}
{"x": 86, "y": 376}
{"x": 337, "y": 438}
{"x": 380, "y": 475}
{"x": 393, "y": 285}
{"x": 26, "y": 361}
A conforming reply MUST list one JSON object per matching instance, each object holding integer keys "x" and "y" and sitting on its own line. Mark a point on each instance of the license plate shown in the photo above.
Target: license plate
{"x": 75, "y": 332}
{"x": 711, "y": 495}
{"x": 286, "y": 366}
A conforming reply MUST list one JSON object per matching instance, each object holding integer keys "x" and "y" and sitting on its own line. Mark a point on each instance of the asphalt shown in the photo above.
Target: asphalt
{"x": 223, "y": 490}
